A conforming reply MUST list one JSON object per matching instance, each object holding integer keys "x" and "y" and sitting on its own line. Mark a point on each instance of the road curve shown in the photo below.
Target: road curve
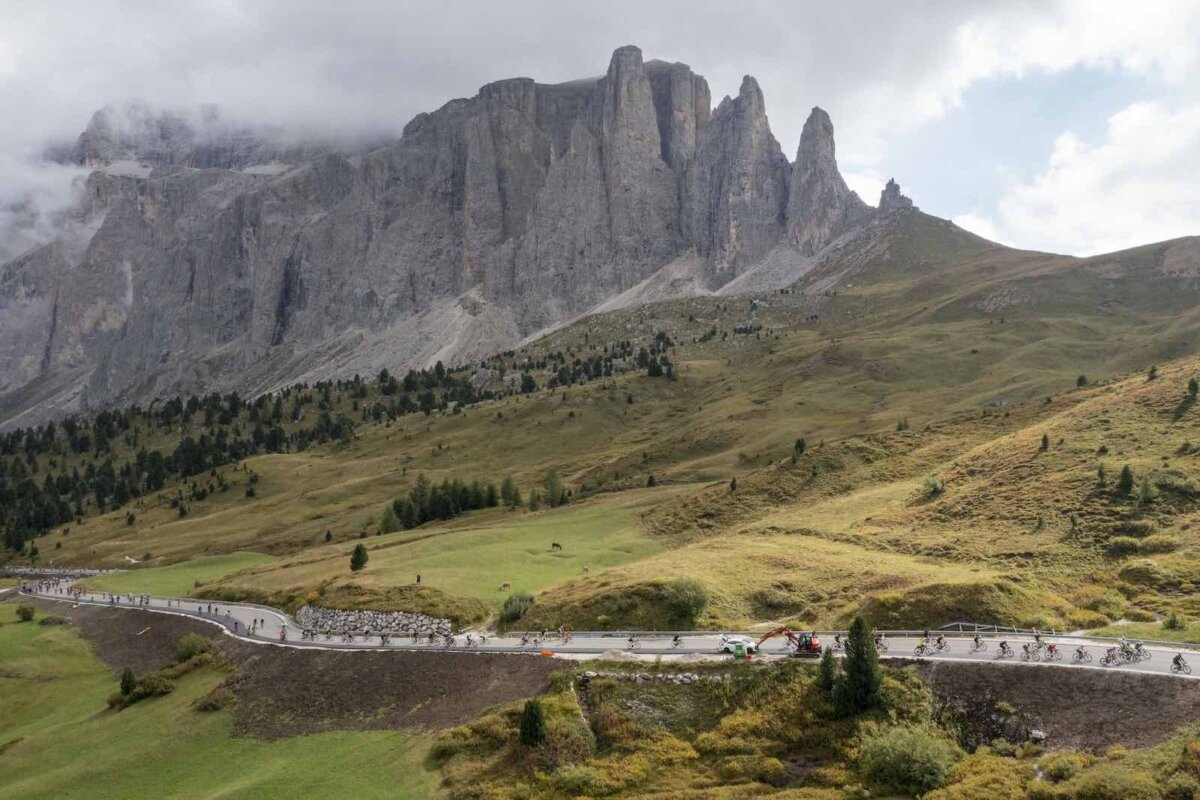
{"x": 236, "y": 619}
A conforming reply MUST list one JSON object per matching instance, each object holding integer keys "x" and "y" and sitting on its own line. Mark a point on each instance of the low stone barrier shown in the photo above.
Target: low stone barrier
{"x": 678, "y": 678}
{"x": 397, "y": 623}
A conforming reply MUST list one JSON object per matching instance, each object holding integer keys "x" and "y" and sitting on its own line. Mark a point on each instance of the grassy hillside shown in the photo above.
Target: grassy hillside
{"x": 917, "y": 355}
{"x": 58, "y": 740}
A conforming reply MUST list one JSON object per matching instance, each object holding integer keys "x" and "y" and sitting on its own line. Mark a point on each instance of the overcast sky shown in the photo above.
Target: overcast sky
{"x": 1068, "y": 126}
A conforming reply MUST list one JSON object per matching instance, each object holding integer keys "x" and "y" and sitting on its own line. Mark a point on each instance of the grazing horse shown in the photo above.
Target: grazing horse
{"x": 555, "y": 546}
{"x": 504, "y": 587}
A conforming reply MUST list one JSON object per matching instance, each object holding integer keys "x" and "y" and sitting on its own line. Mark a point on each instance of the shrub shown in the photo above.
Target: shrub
{"x": 1064, "y": 766}
{"x": 986, "y": 774}
{"x": 576, "y": 780}
{"x": 533, "y": 724}
{"x": 567, "y": 743}
{"x": 1174, "y": 622}
{"x": 217, "y": 699}
{"x": 1108, "y": 602}
{"x": 1122, "y": 546}
{"x": 189, "y": 645}
{"x": 1182, "y": 786}
{"x": 54, "y": 620}
{"x": 25, "y": 612}
{"x": 1161, "y": 543}
{"x": 1103, "y": 782}
{"x": 907, "y": 758}
{"x": 515, "y": 606}
{"x": 154, "y": 684}
{"x": 934, "y": 486}
{"x": 685, "y": 599}
{"x": 752, "y": 767}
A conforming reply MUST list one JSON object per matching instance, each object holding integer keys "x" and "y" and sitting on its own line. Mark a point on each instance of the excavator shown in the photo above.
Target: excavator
{"x": 807, "y": 644}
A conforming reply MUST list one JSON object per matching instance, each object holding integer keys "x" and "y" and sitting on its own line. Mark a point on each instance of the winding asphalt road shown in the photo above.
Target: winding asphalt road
{"x": 236, "y": 619}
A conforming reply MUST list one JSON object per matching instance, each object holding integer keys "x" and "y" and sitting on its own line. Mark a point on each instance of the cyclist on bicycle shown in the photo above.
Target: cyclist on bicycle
{"x": 837, "y": 641}
{"x": 632, "y": 641}
{"x": 941, "y": 642}
{"x": 677, "y": 641}
{"x": 1178, "y": 661}
{"x": 978, "y": 641}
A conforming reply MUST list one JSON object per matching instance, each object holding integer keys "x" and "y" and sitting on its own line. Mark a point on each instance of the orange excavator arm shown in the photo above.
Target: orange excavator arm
{"x": 780, "y": 631}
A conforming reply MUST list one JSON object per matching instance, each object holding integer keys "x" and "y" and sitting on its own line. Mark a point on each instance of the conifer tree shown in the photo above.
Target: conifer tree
{"x": 858, "y": 688}
{"x": 358, "y": 559}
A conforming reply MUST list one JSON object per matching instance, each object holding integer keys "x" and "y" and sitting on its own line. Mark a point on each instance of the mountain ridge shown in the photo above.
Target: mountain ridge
{"x": 222, "y": 258}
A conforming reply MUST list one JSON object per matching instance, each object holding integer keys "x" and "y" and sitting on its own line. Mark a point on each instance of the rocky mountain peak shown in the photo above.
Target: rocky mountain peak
{"x": 135, "y": 137}
{"x": 890, "y": 199}
{"x": 821, "y": 207}
{"x": 538, "y": 202}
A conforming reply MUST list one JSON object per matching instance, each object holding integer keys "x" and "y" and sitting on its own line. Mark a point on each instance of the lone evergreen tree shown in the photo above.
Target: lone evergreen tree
{"x": 328, "y": 535}
{"x": 358, "y": 559}
{"x": 1125, "y": 481}
{"x": 1045, "y": 441}
{"x": 733, "y": 484}
{"x": 533, "y": 724}
{"x": 858, "y": 687}
{"x": 1101, "y": 474}
{"x": 1152, "y": 374}
{"x": 798, "y": 449}
{"x": 1193, "y": 387}
{"x": 827, "y": 674}
{"x": 128, "y": 682}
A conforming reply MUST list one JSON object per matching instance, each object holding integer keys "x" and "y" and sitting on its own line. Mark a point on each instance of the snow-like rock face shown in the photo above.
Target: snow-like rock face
{"x": 221, "y": 259}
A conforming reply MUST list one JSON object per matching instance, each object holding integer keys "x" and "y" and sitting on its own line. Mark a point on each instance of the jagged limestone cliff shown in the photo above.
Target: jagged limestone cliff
{"x": 206, "y": 255}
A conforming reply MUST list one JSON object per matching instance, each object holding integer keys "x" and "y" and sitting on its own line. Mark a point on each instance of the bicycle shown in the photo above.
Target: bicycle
{"x": 1005, "y": 651}
{"x": 1081, "y": 656}
{"x": 1111, "y": 658}
{"x": 632, "y": 643}
{"x": 1030, "y": 654}
{"x": 979, "y": 646}
{"x": 1181, "y": 667}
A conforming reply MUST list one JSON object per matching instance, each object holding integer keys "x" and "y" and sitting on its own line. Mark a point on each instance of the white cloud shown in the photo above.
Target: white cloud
{"x": 1140, "y": 184}
{"x": 880, "y": 68}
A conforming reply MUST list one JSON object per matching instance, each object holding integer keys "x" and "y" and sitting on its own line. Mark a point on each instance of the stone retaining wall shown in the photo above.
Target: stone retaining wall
{"x": 398, "y": 623}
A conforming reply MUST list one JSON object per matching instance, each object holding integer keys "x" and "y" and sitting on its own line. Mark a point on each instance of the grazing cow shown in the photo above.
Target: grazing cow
{"x": 585, "y": 569}
{"x": 555, "y": 546}
{"x": 504, "y": 587}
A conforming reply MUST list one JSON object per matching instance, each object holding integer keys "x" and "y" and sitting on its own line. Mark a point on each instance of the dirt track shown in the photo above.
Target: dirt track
{"x": 286, "y": 692}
